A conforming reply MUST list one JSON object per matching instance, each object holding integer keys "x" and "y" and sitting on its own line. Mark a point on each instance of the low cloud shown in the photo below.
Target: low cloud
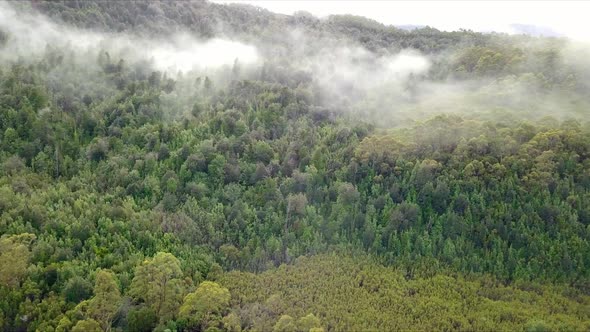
{"x": 29, "y": 34}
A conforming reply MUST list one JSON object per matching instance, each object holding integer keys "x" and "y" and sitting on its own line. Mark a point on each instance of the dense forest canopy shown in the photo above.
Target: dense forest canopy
{"x": 191, "y": 166}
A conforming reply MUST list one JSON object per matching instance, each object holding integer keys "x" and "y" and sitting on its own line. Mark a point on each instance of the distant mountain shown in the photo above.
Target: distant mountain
{"x": 535, "y": 30}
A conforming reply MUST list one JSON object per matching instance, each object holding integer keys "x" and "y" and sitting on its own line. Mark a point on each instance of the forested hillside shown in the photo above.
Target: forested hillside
{"x": 189, "y": 166}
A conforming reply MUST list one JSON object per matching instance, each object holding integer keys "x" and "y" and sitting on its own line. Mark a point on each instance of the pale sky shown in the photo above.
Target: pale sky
{"x": 570, "y": 18}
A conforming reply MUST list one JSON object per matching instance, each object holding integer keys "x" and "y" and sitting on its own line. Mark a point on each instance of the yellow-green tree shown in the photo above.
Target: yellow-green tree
{"x": 285, "y": 324}
{"x": 14, "y": 258}
{"x": 106, "y": 301}
{"x": 309, "y": 322}
{"x": 232, "y": 323}
{"x": 87, "y": 325}
{"x": 157, "y": 283}
{"x": 206, "y": 305}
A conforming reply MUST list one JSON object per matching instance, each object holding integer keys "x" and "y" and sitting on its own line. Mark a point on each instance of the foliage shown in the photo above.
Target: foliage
{"x": 152, "y": 186}
{"x": 106, "y": 301}
{"x": 385, "y": 299}
{"x": 141, "y": 320}
{"x": 205, "y": 307}
{"x": 157, "y": 283}
{"x": 89, "y": 325}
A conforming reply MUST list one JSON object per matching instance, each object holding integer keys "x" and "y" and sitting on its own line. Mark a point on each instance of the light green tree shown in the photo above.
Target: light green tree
{"x": 285, "y": 324}
{"x": 87, "y": 325}
{"x": 206, "y": 305}
{"x": 316, "y": 329}
{"x": 64, "y": 324}
{"x": 306, "y": 323}
{"x": 106, "y": 301}
{"x": 232, "y": 323}
{"x": 14, "y": 258}
{"x": 157, "y": 283}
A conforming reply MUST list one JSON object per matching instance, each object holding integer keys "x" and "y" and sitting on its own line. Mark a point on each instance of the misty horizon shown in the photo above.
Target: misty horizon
{"x": 536, "y": 18}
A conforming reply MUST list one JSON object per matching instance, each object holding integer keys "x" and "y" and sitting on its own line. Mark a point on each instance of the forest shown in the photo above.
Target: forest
{"x": 193, "y": 166}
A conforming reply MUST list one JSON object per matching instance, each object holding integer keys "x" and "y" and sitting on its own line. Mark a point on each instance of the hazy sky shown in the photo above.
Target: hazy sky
{"x": 564, "y": 17}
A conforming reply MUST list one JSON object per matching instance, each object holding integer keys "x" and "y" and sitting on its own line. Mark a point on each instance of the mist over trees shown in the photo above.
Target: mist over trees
{"x": 191, "y": 166}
